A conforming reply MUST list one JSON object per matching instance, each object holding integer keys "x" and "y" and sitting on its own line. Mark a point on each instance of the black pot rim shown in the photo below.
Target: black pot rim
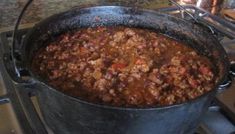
{"x": 38, "y": 81}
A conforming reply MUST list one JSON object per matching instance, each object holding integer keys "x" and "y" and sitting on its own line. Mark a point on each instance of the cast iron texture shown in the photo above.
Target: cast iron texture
{"x": 68, "y": 115}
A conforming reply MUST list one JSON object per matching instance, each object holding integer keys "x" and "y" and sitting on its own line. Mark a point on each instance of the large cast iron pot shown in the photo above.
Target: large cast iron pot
{"x": 68, "y": 115}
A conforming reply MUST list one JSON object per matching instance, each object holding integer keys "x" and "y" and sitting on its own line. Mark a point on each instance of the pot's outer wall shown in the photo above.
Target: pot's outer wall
{"x": 67, "y": 115}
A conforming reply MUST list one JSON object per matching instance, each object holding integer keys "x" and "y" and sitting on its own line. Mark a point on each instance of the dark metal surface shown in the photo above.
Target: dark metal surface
{"x": 217, "y": 123}
{"x": 4, "y": 99}
{"x": 14, "y": 53}
{"x": 65, "y": 114}
{"x": 113, "y": 15}
{"x": 12, "y": 94}
{"x": 220, "y": 25}
{"x": 29, "y": 117}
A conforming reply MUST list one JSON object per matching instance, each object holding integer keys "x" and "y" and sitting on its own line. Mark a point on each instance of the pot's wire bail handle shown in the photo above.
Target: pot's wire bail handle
{"x": 183, "y": 9}
{"x": 14, "y": 53}
{"x": 231, "y": 76}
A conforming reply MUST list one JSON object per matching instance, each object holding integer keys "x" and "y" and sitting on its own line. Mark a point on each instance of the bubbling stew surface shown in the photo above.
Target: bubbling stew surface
{"x": 124, "y": 67}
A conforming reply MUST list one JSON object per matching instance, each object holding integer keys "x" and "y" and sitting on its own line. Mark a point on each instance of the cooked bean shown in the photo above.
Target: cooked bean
{"x": 126, "y": 67}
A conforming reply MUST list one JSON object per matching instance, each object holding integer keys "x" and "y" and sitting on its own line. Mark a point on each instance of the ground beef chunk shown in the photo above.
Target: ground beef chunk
{"x": 127, "y": 67}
